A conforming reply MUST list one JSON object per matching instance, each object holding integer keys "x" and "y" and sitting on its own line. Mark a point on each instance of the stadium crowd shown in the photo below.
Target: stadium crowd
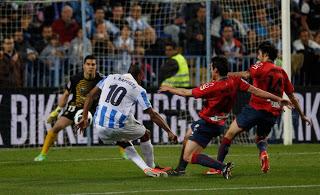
{"x": 38, "y": 35}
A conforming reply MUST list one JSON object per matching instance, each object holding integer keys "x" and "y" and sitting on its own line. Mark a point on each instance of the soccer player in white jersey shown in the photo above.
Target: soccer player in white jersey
{"x": 116, "y": 123}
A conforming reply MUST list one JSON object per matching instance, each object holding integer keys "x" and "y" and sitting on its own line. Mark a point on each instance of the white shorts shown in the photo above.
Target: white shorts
{"x": 132, "y": 130}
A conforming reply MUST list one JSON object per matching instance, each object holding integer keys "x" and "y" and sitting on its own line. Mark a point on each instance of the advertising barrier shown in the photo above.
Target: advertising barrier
{"x": 23, "y": 116}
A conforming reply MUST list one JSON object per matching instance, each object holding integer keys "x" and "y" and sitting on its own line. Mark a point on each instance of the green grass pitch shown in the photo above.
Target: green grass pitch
{"x": 100, "y": 170}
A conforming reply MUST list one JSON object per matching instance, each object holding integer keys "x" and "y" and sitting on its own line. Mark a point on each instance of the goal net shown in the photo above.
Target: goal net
{"x": 122, "y": 32}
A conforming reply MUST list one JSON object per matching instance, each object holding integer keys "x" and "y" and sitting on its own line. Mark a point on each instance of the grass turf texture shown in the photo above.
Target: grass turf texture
{"x": 80, "y": 170}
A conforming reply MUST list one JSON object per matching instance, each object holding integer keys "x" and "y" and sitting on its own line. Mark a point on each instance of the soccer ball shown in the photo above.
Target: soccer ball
{"x": 78, "y": 117}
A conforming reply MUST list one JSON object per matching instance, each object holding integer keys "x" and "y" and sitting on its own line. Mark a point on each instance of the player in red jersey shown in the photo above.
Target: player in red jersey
{"x": 261, "y": 112}
{"x": 220, "y": 95}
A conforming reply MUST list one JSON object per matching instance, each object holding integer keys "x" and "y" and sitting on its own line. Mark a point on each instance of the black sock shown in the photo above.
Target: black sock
{"x": 182, "y": 163}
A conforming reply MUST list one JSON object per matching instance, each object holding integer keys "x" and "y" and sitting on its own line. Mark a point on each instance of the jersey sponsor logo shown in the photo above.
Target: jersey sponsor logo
{"x": 274, "y": 104}
{"x": 257, "y": 65}
{"x": 219, "y": 118}
{"x": 205, "y": 86}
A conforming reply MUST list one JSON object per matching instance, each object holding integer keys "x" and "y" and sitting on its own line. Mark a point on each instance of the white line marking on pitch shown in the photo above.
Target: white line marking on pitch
{"x": 159, "y": 157}
{"x": 203, "y": 189}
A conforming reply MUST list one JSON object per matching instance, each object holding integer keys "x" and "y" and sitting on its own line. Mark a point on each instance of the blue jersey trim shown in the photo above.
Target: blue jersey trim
{"x": 102, "y": 115}
{"x": 111, "y": 120}
{"x": 145, "y": 99}
{"x": 121, "y": 121}
{"x": 95, "y": 114}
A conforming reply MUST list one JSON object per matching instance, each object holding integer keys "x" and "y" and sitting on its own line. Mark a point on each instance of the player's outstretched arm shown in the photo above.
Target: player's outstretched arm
{"x": 156, "y": 118}
{"x": 87, "y": 105}
{"x": 61, "y": 104}
{"x": 177, "y": 91}
{"x": 266, "y": 95}
{"x": 242, "y": 74}
{"x": 295, "y": 103}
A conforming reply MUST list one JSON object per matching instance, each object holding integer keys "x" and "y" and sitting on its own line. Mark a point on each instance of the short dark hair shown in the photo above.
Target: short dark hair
{"x": 269, "y": 49}
{"x": 117, "y": 5}
{"x": 45, "y": 26}
{"x": 221, "y": 63}
{"x": 8, "y": 36}
{"x": 228, "y": 25}
{"x": 171, "y": 44}
{"x": 89, "y": 57}
{"x": 99, "y": 8}
{"x": 135, "y": 69}
{"x": 301, "y": 30}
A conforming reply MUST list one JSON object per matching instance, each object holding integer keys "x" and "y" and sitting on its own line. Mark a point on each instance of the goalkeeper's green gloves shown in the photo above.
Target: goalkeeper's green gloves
{"x": 54, "y": 115}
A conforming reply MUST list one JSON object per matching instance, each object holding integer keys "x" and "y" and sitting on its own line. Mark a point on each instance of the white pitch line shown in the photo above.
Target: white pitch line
{"x": 158, "y": 157}
{"x": 202, "y": 189}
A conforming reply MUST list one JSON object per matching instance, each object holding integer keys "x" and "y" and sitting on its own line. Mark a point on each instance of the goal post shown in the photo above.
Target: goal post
{"x": 286, "y": 64}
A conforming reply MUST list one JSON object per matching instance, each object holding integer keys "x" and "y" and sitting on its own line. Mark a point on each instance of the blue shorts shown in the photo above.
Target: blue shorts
{"x": 203, "y": 132}
{"x": 250, "y": 117}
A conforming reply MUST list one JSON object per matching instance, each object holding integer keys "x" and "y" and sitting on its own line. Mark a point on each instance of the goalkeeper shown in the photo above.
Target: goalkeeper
{"x": 79, "y": 85}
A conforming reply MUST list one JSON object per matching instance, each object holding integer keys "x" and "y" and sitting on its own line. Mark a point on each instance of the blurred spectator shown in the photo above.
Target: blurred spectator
{"x": 124, "y": 43}
{"x": 175, "y": 71}
{"x": 124, "y": 46}
{"x": 226, "y": 18}
{"x": 250, "y": 49}
{"x": 229, "y": 46}
{"x": 189, "y": 11}
{"x": 76, "y": 50}
{"x": 262, "y": 23}
{"x": 173, "y": 26}
{"x": 24, "y": 48}
{"x": 44, "y": 40}
{"x": 305, "y": 42}
{"x": 195, "y": 33}
{"x": 137, "y": 23}
{"x": 91, "y": 25}
{"x": 76, "y": 6}
{"x": 251, "y": 44}
{"x": 310, "y": 49}
{"x": 139, "y": 43}
{"x": 101, "y": 43}
{"x": 11, "y": 67}
{"x": 273, "y": 9}
{"x": 28, "y": 26}
{"x": 294, "y": 19}
{"x": 166, "y": 21}
{"x": 117, "y": 20}
{"x": 310, "y": 14}
{"x": 275, "y": 36}
{"x": 149, "y": 77}
{"x": 237, "y": 18}
{"x": 65, "y": 27}
{"x": 53, "y": 53}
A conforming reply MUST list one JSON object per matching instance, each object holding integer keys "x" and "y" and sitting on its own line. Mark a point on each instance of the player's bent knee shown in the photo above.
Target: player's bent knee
{"x": 187, "y": 158}
{"x": 146, "y": 136}
{"x": 56, "y": 129}
{"x": 230, "y": 135}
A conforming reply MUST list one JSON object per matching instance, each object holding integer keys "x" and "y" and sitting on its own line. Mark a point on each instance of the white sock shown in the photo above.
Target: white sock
{"x": 147, "y": 151}
{"x": 135, "y": 157}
